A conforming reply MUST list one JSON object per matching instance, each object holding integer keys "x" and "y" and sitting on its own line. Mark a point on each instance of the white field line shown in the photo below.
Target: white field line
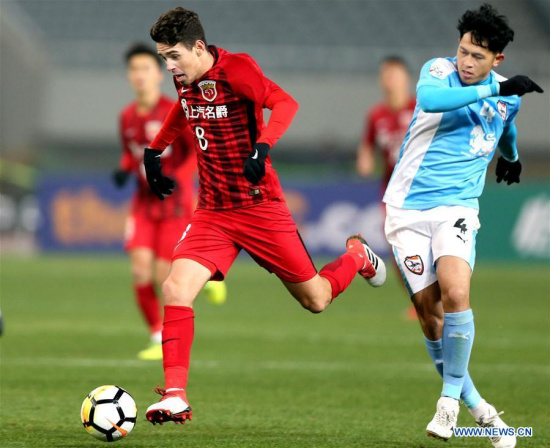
{"x": 267, "y": 365}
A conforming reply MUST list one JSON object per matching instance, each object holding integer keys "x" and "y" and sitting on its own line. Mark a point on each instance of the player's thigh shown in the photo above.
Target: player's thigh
{"x": 162, "y": 269}
{"x": 184, "y": 282}
{"x": 454, "y": 276}
{"x": 268, "y": 233}
{"x": 169, "y": 232}
{"x": 206, "y": 241}
{"x": 313, "y": 294}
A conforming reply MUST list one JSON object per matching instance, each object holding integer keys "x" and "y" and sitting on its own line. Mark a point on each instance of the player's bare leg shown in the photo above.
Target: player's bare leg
{"x": 314, "y": 295}
{"x": 185, "y": 281}
{"x": 143, "y": 262}
{"x": 319, "y": 292}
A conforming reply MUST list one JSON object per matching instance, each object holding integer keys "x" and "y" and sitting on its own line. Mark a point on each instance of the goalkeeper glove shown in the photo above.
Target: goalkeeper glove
{"x": 159, "y": 184}
{"x": 518, "y": 85}
{"x": 254, "y": 167}
{"x": 120, "y": 177}
{"x": 508, "y": 171}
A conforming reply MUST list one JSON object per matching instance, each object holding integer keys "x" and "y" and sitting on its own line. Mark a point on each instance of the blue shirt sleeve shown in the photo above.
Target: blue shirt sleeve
{"x": 507, "y": 143}
{"x": 435, "y": 94}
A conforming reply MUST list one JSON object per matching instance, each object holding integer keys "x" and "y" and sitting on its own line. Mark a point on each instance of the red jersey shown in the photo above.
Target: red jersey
{"x": 224, "y": 109}
{"x": 179, "y": 162}
{"x": 385, "y": 131}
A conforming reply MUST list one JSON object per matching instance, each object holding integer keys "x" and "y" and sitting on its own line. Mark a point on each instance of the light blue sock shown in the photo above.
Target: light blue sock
{"x": 469, "y": 395}
{"x": 458, "y": 338}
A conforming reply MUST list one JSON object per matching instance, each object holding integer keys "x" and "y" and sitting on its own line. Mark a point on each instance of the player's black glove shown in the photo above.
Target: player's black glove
{"x": 120, "y": 177}
{"x": 508, "y": 171}
{"x": 159, "y": 184}
{"x": 254, "y": 167}
{"x": 519, "y": 85}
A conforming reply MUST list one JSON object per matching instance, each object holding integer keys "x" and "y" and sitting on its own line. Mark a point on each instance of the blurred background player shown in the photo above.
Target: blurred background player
{"x": 465, "y": 110}
{"x": 154, "y": 227}
{"x": 386, "y": 124}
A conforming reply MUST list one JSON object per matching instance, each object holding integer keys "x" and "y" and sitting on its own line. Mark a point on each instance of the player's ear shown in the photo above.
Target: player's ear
{"x": 200, "y": 47}
{"x": 498, "y": 59}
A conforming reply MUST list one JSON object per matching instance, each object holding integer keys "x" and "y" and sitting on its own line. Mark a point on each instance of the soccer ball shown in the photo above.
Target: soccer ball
{"x": 109, "y": 413}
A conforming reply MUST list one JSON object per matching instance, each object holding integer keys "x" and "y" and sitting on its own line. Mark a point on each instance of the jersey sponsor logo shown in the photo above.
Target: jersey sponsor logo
{"x": 204, "y": 112}
{"x": 481, "y": 144}
{"x": 415, "y": 264}
{"x": 208, "y": 90}
{"x": 502, "y": 110}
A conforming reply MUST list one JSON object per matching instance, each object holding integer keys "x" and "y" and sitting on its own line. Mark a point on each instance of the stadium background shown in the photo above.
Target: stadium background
{"x": 63, "y": 83}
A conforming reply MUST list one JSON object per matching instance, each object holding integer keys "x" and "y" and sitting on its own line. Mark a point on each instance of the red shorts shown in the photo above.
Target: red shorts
{"x": 265, "y": 231}
{"x": 159, "y": 235}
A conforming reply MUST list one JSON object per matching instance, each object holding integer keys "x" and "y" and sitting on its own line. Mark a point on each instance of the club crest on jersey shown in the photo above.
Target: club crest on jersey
{"x": 415, "y": 264}
{"x": 502, "y": 110}
{"x": 208, "y": 90}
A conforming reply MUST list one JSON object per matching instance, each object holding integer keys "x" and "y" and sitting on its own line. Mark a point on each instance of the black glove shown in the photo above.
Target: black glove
{"x": 254, "y": 167}
{"x": 508, "y": 171}
{"x": 120, "y": 177}
{"x": 159, "y": 184}
{"x": 519, "y": 85}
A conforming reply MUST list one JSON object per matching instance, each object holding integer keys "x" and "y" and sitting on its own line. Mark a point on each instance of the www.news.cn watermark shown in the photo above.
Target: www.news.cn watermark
{"x": 466, "y": 431}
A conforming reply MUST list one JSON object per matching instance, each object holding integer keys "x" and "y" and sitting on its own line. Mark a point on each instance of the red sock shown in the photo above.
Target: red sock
{"x": 177, "y": 338}
{"x": 341, "y": 271}
{"x": 149, "y": 305}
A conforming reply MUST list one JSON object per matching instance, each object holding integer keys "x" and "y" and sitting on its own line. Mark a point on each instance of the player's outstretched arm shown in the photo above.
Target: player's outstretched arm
{"x": 436, "y": 99}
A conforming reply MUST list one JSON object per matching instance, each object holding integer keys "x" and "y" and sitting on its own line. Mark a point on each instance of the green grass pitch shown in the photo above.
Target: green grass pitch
{"x": 264, "y": 372}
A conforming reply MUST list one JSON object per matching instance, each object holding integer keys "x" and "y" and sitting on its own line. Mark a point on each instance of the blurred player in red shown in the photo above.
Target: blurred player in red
{"x": 153, "y": 227}
{"x": 241, "y": 203}
{"x": 386, "y": 125}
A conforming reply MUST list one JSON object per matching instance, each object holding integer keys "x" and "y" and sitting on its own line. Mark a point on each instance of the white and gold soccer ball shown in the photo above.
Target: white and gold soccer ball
{"x": 109, "y": 413}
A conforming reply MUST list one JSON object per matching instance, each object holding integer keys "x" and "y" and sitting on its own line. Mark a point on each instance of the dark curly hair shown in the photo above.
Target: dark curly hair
{"x": 141, "y": 48}
{"x": 179, "y": 25}
{"x": 489, "y": 29}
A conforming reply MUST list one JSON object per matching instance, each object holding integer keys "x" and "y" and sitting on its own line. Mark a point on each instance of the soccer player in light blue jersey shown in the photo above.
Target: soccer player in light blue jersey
{"x": 464, "y": 112}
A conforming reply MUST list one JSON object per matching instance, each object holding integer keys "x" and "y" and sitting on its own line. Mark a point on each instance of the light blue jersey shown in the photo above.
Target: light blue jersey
{"x": 452, "y": 138}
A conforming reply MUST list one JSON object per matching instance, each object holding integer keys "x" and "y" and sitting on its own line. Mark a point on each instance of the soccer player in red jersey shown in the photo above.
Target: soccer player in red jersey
{"x": 153, "y": 227}
{"x": 386, "y": 125}
{"x": 241, "y": 204}
{"x": 387, "y": 121}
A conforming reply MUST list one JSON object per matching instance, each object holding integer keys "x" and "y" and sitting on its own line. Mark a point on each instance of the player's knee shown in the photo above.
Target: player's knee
{"x": 174, "y": 292}
{"x": 455, "y": 298}
{"x": 314, "y": 305}
{"x": 142, "y": 274}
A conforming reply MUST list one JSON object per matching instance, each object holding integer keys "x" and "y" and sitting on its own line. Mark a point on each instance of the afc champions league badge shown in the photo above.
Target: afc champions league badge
{"x": 208, "y": 90}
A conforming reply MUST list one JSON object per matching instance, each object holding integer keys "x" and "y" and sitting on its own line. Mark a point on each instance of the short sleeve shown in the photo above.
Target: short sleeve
{"x": 436, "y": 73}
